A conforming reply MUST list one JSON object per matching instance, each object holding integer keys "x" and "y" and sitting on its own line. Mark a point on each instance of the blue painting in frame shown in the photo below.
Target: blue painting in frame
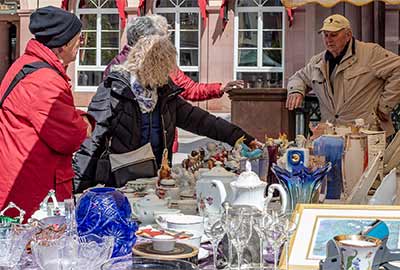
{"x": 328, "y": 227}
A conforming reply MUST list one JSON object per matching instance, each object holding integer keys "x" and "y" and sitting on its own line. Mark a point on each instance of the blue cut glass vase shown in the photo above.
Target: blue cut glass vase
{"x": 301, "y": 184}
{"x": 107, "y": 212}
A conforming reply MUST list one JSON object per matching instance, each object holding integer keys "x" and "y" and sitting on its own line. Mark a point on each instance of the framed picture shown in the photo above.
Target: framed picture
{"x": 319, "y": 223}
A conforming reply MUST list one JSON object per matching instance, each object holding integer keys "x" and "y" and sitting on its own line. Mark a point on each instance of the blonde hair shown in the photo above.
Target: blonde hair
{"x": 151, "y": 60}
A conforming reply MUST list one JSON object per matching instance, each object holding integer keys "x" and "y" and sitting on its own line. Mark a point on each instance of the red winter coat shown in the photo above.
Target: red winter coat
{"x": 194, "y": 91}
{"x": 39, "y": 130}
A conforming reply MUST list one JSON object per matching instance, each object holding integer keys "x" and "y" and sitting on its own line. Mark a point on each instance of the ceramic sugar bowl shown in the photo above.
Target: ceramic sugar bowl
{"x": 144, "y": 208}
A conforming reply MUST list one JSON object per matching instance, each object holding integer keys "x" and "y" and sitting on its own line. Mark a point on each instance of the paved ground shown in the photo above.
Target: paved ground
{"x": 189, "y": 141}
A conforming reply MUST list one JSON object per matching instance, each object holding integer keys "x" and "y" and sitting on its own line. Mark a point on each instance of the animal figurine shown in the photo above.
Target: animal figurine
{"x": 193, "y": 162}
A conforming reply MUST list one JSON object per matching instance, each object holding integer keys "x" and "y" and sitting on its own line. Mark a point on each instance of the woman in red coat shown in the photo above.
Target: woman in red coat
{"x": 39, "y": 125}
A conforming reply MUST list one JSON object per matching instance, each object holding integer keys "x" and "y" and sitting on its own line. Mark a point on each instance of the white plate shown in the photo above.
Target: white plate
{"x": 203, "y": 253}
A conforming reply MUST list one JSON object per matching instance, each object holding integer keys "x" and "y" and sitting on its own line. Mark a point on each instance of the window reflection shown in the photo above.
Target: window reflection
{"x": 247, "y": 39}
{"x": 260, "y": 62}
{"x": 89, "y": 78}
{"x": 261, "y": 79}
{"x": 272, "y": 39}
{"x": 99, "y": 39}
{"x": 272, "y": 58}
{"x": 272, "y": 20}
{"x": 87, "y": 57}
{"x": 248, "y": 20}
{"x": 87, "y": 4}
{"x": 247, "y": 58}
{"x": 108, "y": 3}
{"x": 189, "y": 39}
{"x": 189, "y": 58}
{"x": 185, "y": 23}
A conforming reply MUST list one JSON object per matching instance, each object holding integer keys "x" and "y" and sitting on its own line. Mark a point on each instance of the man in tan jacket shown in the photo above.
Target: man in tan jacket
{"x": 352, "y": 79}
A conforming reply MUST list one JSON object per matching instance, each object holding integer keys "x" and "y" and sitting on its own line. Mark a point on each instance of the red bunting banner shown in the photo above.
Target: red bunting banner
{"x": 203, "y": 10}
{"x": 142, "y": 5}
{"x": 121, "y": 4}
{"x": 64, "y": 4}
{"x": 290, "y": 13}
{"x": 223, "y": 12}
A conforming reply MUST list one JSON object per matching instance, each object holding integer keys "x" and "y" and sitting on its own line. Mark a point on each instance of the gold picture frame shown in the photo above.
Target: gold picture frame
{"x": 318, "y": 223}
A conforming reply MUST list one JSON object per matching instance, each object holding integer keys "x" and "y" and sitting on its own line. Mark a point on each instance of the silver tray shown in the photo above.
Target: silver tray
{"x": 138, "y": 263}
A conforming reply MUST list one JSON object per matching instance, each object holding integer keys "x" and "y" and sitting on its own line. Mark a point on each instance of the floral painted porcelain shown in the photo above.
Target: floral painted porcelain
{"x": 144, "y": 208}
{"x": 207, "y": 193}
{"x": 357, "y": 252}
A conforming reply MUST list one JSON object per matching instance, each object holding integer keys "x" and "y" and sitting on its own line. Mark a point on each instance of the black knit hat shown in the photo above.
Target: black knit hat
{"x": 54, "y": 27}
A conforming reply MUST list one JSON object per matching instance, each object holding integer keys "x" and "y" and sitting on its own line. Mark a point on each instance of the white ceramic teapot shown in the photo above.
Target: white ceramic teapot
{"x": 144, "y": 208}
{"x": 207, "y": 194}
{"x": 248, "y": 189}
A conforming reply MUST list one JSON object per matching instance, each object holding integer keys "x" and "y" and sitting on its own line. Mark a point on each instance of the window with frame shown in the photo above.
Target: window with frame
{"x": 99, "y": 41}
{"x": 260, "y": 43}
{"x": 184, "y": 18}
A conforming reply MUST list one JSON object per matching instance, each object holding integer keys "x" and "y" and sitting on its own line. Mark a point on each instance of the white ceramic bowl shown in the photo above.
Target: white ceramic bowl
{"x": 194, "y": 241}
{"x": 163, "y": 242}
{"x": 182, "y": 222}
{"x": 166, "y": 211}
{"x": 142, "y": 184}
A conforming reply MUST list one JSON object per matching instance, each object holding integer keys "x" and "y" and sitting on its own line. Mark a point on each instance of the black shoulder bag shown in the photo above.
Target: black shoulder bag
{"x": 26, "y": 70}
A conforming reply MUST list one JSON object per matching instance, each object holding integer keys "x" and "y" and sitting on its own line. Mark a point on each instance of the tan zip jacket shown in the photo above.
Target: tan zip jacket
{"x": 367, "y": 77}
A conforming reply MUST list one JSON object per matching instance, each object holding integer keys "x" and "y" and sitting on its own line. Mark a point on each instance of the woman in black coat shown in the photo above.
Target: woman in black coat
{"x": 129, "y": 115}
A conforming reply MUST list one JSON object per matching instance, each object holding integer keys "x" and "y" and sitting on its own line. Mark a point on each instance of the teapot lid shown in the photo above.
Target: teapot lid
{"x": 151, "y": 199}
{"x": 218, "y": 171}
{"x": 248, "y": 178}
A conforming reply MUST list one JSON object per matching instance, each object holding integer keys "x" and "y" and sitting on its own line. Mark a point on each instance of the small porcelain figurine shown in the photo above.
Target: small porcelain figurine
{"x": 194, "y": 161}
{"x": 211, "y": 149}
{"x": 165, "y": 170}
{"x": 300, "y": 141}
{"x": 184, "y": 179}
{"x": 246, "y": 151}
{"x": 320, "y": 129}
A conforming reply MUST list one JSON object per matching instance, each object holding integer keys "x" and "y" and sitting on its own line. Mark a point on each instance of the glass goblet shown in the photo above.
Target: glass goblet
{"x": 232, "y": 223}
{"x": 289, "y": 227}
{"x": 276, "y": 237}
{"x": 261, "y": 224}
{"x": 243, "y": 235}
{"x": 215, "y": 230}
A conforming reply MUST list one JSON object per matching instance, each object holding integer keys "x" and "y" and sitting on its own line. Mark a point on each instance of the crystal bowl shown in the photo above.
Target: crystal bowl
{"x": 13, "y": 239}
{"x": 72, "y": 252}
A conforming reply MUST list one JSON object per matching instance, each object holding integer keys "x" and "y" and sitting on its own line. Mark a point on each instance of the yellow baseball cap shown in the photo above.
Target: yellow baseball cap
{"x": 335, "y": 23}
